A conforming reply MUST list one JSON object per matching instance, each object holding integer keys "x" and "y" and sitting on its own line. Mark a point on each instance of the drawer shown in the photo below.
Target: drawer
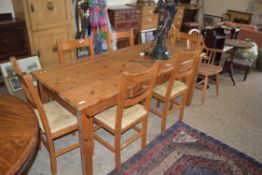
{"x": 121, "y": 26}
{"x": 120, "y": 13}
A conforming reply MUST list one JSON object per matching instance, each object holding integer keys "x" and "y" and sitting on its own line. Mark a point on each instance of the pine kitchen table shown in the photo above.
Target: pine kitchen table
{"x": 88, "y": 86}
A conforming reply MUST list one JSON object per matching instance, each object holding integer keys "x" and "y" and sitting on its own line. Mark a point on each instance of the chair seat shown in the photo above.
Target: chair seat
{"x": 178, "y": 87}
{"x": 242, "y": 62}
{"x": 209, "y": 69}
{"x": 130, "y": 115}
{"x": 58, "y": 117}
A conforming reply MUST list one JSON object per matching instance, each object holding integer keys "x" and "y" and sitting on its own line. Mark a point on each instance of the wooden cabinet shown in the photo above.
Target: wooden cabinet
{"x": 47, "y": 23}
{"x": 45, "y": 43}
{"x": 13, "y": 39}
{"x": 149, "y": 18}
{"x": 124, "y": 18}
{"x": 179, "y": 17}
{"x": 47, "y": 14}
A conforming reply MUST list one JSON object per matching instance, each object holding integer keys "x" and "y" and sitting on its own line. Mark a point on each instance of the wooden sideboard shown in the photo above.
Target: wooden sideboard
{"x": 124, "y": 18}
{"x": 13, "y": 39}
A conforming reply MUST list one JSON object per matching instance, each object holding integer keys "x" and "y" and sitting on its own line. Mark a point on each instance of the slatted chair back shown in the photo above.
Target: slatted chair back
{"x": 210, "y": 54}
{"x": 184, "y": 40}
{"x": 120, "y": 35}
{"x": 183, "y": 68}
{"x": 31, "y": 94}
{"x": 127, "y": 97}
{"x": 74, "y": 44}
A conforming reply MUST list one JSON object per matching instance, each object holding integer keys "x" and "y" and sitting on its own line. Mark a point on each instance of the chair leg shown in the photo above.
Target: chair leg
{"x": 204, "y": 90}
{"x": 246, "y": 73}
{"x": 217, "y": 84}
{"x": 53, "y": 161}
{"x": 144, "y": 131}
{"x": 164, "y": 116}
{"x": 117, "y": 151}
{"x": 181, "y": 112}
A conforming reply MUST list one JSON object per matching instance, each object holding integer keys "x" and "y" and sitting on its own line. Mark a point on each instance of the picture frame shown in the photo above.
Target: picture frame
{"x": 27, "y": 65}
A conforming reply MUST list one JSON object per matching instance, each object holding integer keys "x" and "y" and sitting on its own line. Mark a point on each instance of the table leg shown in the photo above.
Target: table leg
{"x": 231, "y": 70}
{"x": 86, "y": 143}
{"x": 43, "y": 94}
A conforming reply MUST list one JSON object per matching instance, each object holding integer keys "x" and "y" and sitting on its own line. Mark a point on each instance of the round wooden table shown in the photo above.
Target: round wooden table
{"x": 19, "y": 135}
{"x": 236, "y": 44}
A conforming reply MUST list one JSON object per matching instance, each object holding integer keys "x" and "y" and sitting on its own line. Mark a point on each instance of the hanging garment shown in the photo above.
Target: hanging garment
{"x": 99, "y": 24}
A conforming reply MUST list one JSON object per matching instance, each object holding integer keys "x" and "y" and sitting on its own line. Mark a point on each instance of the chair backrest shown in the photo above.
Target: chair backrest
{"x": 210, "y": 54}
{"x": 120, "y": 35}
{"x": 136, "y": 88}
{"x": 31, "y": 94}
{"x": 74, "y": 44}
{"x": 184, "y": 40}
{"x": 184, "y": 64}
{"x": 194, "y": 32}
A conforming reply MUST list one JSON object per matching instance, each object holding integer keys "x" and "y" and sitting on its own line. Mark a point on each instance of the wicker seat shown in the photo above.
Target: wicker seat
{"x": 130, "y": 115}
{"x": 177, "y": 88}
{"x": 54, "y": 120}
{"x": 129, "y": 112}
{"x": 57, "y": 116}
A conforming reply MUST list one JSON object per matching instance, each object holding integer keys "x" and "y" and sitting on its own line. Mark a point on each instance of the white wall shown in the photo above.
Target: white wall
{"x": 219, "y": 7}
{"x": 213, "y": 7}
{"x": 120, "y": 2}
{"x": 6, "y": 6}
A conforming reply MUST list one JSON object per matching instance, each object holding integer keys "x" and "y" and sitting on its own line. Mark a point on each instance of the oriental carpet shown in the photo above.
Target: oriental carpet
{"x": 183, "y": 150}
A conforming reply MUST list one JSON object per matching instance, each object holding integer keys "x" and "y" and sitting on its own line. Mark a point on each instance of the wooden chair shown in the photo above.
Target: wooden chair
{"x": 187, "y": 42}
{"x": 174, "y": 93}
{"x": 120, "y": 35}
{"x": 54, "y": 120}
{"x": 128, "y": 112}
{"x": 74, "y": 44}
{"x": 207, "y": 69}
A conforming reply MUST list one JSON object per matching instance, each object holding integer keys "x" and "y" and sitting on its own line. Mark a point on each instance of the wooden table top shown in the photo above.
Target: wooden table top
{"x": 238, "y": 43}
{"x": 84, "y": 83}
{"x": 19, "y": 134}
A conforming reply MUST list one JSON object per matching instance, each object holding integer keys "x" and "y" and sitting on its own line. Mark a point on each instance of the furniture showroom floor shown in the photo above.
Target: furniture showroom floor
{"x": 234, "y": 117}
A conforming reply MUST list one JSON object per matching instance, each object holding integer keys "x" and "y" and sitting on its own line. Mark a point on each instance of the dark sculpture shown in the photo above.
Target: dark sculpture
{"x": 166, "y": 13}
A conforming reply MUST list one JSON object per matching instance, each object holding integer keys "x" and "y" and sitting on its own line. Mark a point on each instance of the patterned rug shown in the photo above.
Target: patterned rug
{"x": 183, "y": 150}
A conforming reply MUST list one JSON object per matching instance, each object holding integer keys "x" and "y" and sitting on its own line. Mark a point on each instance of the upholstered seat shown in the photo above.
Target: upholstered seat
{"x": 130, "y": 115}
{"x": 58, "y": 117}
{"x": 177, "y": 88}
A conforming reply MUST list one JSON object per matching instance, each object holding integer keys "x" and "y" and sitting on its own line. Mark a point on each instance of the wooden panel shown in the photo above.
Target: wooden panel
{"x": 46, "y": 45}
{"x": 149, "y": 18}
{"x": 13, "y": 39}
{"x": 46, "y": 14}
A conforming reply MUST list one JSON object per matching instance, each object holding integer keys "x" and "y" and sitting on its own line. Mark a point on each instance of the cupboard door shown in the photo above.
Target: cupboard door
{"x": 45, "y": 43}
{"x": 49, "y": 13}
